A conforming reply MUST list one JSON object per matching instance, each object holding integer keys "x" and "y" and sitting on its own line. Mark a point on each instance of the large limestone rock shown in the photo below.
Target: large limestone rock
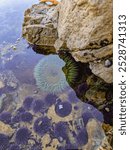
{"x": 85, "y": 24}
{"x": 39, "y": 26}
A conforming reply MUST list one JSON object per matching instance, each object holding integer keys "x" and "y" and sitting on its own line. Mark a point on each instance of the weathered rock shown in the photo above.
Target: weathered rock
{"x": 108, "y": 132}
{"x": 100, "y": 70}
{"x": 39, "y": 26}
{"x": 97, "y": 90}
{"x": 85, "y": 24}
{"x": 96, "y": 96}
{"x": 97, "y": 140}
{"x": 90, "y": 55}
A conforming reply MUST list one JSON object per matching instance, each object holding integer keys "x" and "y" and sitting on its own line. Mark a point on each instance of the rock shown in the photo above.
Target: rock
{"x": 97, "y": 97}
{"x": 99, "y": 69}
{"x": 108, "y": 132}
{"x": 85, "y": 24}
{"x": 7, "y": 102}
{"x": 90, "y": 55}
{"x": 39, "y": 26}
{"x": 97, "y": 140}
{"x": 6, "y": 129}
{"x": 107, "y": 63}
{"x": 9, "y": 78}
{"x": 97, "y": 91}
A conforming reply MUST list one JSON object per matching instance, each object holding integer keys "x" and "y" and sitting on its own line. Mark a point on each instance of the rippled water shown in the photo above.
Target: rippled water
{"x": 38, "y": 108}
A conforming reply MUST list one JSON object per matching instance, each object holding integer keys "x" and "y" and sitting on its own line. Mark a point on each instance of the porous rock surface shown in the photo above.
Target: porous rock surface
{"x": 82, "y": 27}
{"x": 85, "y": 24}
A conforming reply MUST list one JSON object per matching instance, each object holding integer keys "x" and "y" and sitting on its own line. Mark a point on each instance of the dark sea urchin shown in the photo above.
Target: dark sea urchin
{"x": 22, "y": 136}
{"x": 4, "y": 142}
{"x": 42, "y": 125}
{"x": 14, "y": 147}
{"x": 36, "y": 147}
{"x": 61, "y": 130}
{"x": 20, "y": 110}
{"x": 27, "y": 103}
{"x": 63, "y": 109}
{"x": 5, "y": 117}
{"x": 26, "y": 117}
{"x": 50, "y": 99}
{"x": 49, "y": 75}
{"x": 37, "y": 106}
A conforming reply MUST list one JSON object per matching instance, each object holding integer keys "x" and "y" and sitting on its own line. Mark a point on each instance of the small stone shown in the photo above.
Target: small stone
{"x": 60, "y": 139}
{"x": 107, "y": 109}
{"x": 89, "y": 108}
{"x": 108, "y": 63}
{"x": 35, "y": 91}
{"x": 18, "y": 39}
{"x": 14, "y": 47}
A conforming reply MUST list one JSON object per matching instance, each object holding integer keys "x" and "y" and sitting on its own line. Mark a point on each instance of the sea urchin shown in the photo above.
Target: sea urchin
{"x": 22, "y": 136}
{"x": 42, "y": 125}
{"x": 4, "y": 142}
{"x": 63, "y": 109}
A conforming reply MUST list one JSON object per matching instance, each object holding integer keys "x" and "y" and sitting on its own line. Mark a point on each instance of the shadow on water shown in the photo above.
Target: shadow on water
{"x": 35, "y": 98}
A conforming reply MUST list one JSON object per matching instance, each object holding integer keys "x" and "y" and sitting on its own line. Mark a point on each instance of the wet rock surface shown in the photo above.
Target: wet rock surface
{"x": 97, "y": 138}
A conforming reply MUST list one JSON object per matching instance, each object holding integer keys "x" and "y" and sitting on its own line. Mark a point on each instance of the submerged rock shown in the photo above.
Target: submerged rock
{"x": 97, "y": 139}
{"x": 6, "y": 129}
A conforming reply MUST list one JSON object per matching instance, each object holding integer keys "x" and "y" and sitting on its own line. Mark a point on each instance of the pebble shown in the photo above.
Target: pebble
{"x": 35, "y": 91}
{"x": 107, "y": 109}
{"x": 108, "y": 63}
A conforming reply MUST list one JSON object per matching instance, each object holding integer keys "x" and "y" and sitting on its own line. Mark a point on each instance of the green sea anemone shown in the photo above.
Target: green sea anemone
{"x": 49, "y": 75}
{"x": 71, "y": 68}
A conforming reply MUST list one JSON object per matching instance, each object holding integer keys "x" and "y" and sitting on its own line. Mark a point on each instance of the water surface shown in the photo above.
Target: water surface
{"x": 36, "y": 101}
